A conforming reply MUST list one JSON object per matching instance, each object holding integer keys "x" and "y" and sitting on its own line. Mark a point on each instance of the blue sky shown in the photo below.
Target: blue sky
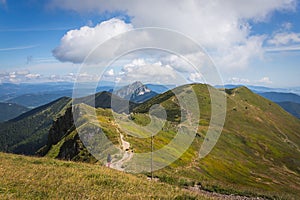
{"x": 249, "y": 45}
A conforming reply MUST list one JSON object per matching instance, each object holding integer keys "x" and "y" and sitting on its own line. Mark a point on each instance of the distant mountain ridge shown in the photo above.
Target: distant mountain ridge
{"x": 262, "y": 89}
{"x": 10, "y": 91}
{"x": 288, "y": 101}
{"x": 11, "y": 110}
{"x": 281, "y": 97}
{"x": 34, "y": 95}
{"x": 291, "y": 107}
{"x": 38, "y": 99}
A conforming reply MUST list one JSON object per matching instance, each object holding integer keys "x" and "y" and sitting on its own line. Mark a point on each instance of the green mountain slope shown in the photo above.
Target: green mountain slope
{"x": 106, "y": 100}
{"x": 259, "y": 146}
{"x": 257, "y": 153}
{"x": 29, "y": 131}
{"x": 43, "y": 178}
{"x": 10, "y": 111}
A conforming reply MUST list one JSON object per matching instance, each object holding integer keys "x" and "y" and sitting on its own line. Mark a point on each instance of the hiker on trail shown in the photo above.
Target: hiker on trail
{"x": 108, "y": 160}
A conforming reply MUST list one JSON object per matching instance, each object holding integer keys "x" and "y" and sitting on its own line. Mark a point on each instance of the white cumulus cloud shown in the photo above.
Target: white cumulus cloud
{"x": 76, "y": 44}
{"x": 184, "y": 63}
{"x": 213, "y": 23}
{"x": 142, "y": 70}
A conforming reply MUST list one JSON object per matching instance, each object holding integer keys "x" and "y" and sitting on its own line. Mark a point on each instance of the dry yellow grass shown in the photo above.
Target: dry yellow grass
{"x": 44, "y": 178}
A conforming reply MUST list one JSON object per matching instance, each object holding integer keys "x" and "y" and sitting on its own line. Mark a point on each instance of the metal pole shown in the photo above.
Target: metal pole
{"x": 151, "y": 156}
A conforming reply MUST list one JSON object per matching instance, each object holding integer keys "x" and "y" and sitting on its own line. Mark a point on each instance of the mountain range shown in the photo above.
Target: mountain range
{"x": 11, "y": 110}
{"x": 38, "y": 99}
{"x": 281, "y": 97}
{"x": 257, "y": 153}
{"x": 288, "y": 101}
{"x": 291, "y": 107}
{"x": 262, "y": 89}
{"x": 35, "y": 95}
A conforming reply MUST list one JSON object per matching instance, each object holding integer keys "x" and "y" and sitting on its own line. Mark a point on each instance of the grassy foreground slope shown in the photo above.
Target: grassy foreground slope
{"x": 43, "y": 178}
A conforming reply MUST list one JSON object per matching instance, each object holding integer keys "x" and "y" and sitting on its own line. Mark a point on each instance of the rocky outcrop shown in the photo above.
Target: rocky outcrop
{"x": 61, "y": 126}
{"x": 64, "y": 140}
{"x": 69, "y": 149}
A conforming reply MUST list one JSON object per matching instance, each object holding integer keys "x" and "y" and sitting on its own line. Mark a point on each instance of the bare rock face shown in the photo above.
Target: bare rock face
{"x": 60, "y": 127}
{"x": 136, "y": 92}
{"x": 127, "y": 91}
{"x": 69, "y": 149}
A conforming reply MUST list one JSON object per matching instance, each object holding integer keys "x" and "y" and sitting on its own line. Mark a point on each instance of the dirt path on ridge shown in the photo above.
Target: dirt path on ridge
{"x": 127, "y": 155}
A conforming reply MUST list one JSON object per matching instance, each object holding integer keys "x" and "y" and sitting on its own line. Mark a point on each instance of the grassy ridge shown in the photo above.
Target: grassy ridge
{"x": 257, "y": 153}
{"x": 43, "y": 178}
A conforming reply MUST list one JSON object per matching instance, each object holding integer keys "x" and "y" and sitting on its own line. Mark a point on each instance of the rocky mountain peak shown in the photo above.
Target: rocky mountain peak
{"x": 133, "y": 90}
